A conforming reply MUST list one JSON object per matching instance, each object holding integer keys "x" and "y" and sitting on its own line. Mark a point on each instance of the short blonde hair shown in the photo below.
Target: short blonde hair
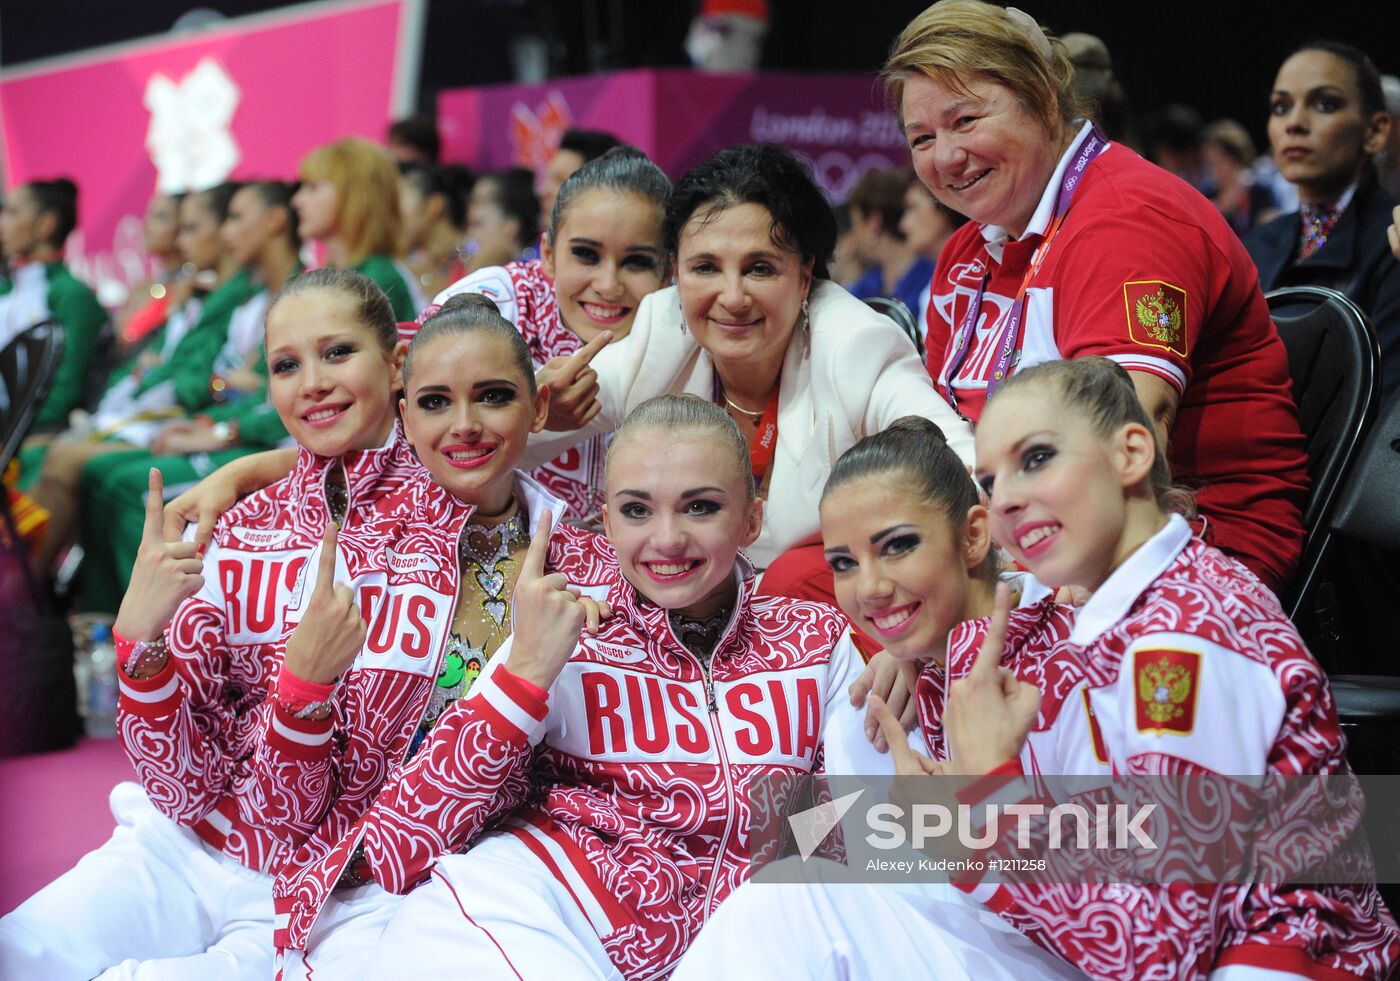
{"x": 367, "y": 194}
{"x": 957, "y": 39}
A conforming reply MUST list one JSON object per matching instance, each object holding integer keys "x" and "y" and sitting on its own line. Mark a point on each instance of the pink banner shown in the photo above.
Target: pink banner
{"x": 838, "y": 123}
{"x": 244, "y": 100}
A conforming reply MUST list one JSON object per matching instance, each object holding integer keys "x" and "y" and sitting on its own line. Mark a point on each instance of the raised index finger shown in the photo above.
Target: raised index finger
{"x": 580, "y": 358}
{"x": 154, "y": 528}
{"x": 532, "y": 566}
{"x": 988, "y": 658}
{"x": 325, "y": 574}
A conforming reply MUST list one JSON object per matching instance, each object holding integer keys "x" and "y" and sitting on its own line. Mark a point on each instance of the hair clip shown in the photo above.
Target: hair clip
{"x": 1030, "y": 28}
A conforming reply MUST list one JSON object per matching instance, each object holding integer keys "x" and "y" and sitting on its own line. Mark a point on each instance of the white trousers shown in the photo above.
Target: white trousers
{"x": 344, "y": 938}
{"x": 154, "y": 903}
{"x": 495, "y": 912}
{"x": 837, "y": 931}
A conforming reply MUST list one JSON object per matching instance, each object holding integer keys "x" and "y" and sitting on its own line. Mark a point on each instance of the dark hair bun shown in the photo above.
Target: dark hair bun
{"x": 918, "y": 425}
{"x": 469, "y": 301}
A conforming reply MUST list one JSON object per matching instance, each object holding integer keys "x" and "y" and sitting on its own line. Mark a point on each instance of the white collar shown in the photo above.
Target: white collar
{"x": 536, "y": 498}
{"x": 997, "y": 236}
{"x": 1119, "y": 591}
{"x": 1343, "y": 200}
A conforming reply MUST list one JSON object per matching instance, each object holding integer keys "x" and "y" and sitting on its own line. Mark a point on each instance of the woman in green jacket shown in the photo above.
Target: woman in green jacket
{"x": 34, "y": 225}
{"x": 349, "y": 203}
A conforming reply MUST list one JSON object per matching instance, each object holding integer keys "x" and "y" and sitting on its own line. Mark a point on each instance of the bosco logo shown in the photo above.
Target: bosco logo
{"x": 622, "y": 655}
{"x": 261, "y": 538}
{"x": 402, "y": 563}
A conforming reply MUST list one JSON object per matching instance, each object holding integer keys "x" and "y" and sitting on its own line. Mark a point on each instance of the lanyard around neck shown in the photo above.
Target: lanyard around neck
{"x": 1008, "y": 341}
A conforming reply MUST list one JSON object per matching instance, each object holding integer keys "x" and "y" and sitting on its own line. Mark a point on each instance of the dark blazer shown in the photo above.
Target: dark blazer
{"x": 1356, "y": 261}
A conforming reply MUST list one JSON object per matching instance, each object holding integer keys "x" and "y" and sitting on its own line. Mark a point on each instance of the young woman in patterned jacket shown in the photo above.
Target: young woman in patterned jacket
{"x": 184, "y": 886}
{"x": 598, "y": 784}
{"x": 441, "y": 599}
{"x": 602, "y": 254}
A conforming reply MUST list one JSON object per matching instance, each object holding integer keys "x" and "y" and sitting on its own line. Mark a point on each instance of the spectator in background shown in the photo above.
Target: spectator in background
{"x": 896, "y": 268}
{"x": 1099, "y": 89}
{"x": 147, "y": 303}
{"x": 927, "y": 225}
{"x": 415, "y": 140}
{"x": 1228, "y": 152}
{"x": 349, "y": 202}
{"x": 727, "y": 35}
{"x": 846, "y": 266}
{"x": 35, "y": 222}
{"x": 1172, "y": 137}
{"x": 576, "y": 148}
{"x": 433, "y": 199}
{"x": 503, "y": 219}
{"x": 1388, "y": 160}
{"x": 1326, "y": 118}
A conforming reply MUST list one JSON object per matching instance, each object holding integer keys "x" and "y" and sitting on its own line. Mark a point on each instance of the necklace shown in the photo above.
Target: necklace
{"x": 488, "y": 550}
{"x": 700, "y": 634}
{"x": 756, "y": 417}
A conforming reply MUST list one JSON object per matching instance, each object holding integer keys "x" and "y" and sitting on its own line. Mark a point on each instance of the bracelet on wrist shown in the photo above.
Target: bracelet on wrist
{"x": 141, "y": 659}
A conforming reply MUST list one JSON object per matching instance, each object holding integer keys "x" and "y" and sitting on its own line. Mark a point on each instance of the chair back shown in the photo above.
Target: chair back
{"x": 104, "y": 356}
{"x": 1334, "y": 362}
{"x": 899, "y": 313}
{"x": 1368, "y": 507}
{"x": 27, "y": 368}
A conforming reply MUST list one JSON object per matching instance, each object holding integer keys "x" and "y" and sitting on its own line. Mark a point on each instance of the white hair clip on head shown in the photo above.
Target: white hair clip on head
{"x": 1031, "y": 29}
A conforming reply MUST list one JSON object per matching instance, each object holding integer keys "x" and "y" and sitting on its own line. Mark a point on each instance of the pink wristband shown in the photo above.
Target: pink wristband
{"x": 294, "y": 689}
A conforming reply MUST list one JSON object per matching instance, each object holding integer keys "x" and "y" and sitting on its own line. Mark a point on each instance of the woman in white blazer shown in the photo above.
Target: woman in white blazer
{"x": 754, "y": 323}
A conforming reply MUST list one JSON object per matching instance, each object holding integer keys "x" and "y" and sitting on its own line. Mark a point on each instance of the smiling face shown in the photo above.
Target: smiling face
{"x": 1057, "y": 489}
{"x": 1320, "y": 135}
{"x": 741, "y": 294}
{"x": 468, "y": 413}
{"x": 330, "y": 381}
{"x": 677, "y": 511}
{"x": 317, "y": 204}
{"x": 980, "y": 151}
{"x": 904, "y": 573}
{"x": 605, "y": 258}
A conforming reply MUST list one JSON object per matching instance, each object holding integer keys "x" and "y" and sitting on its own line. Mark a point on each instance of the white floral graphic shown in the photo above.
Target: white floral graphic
{"x": 189, "y": 139}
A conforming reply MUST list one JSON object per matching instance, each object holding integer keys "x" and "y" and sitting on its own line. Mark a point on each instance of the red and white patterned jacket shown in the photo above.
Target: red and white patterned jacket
{"x": 630, "y": 778}
{"x": 334, "y": 768}
{"x": 1257, "y": 704}
{"x": 525, "y": 296}
{"x": 192, "y": 730}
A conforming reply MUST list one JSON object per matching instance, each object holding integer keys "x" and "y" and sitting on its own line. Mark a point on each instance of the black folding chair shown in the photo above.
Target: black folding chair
{"x": 899, "y": 313}
{"x": 27, "y": 368}
{"x": 1334, "y": 361}
{"x": 104, "y": 356}
{"x": 1366, "y": 515}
